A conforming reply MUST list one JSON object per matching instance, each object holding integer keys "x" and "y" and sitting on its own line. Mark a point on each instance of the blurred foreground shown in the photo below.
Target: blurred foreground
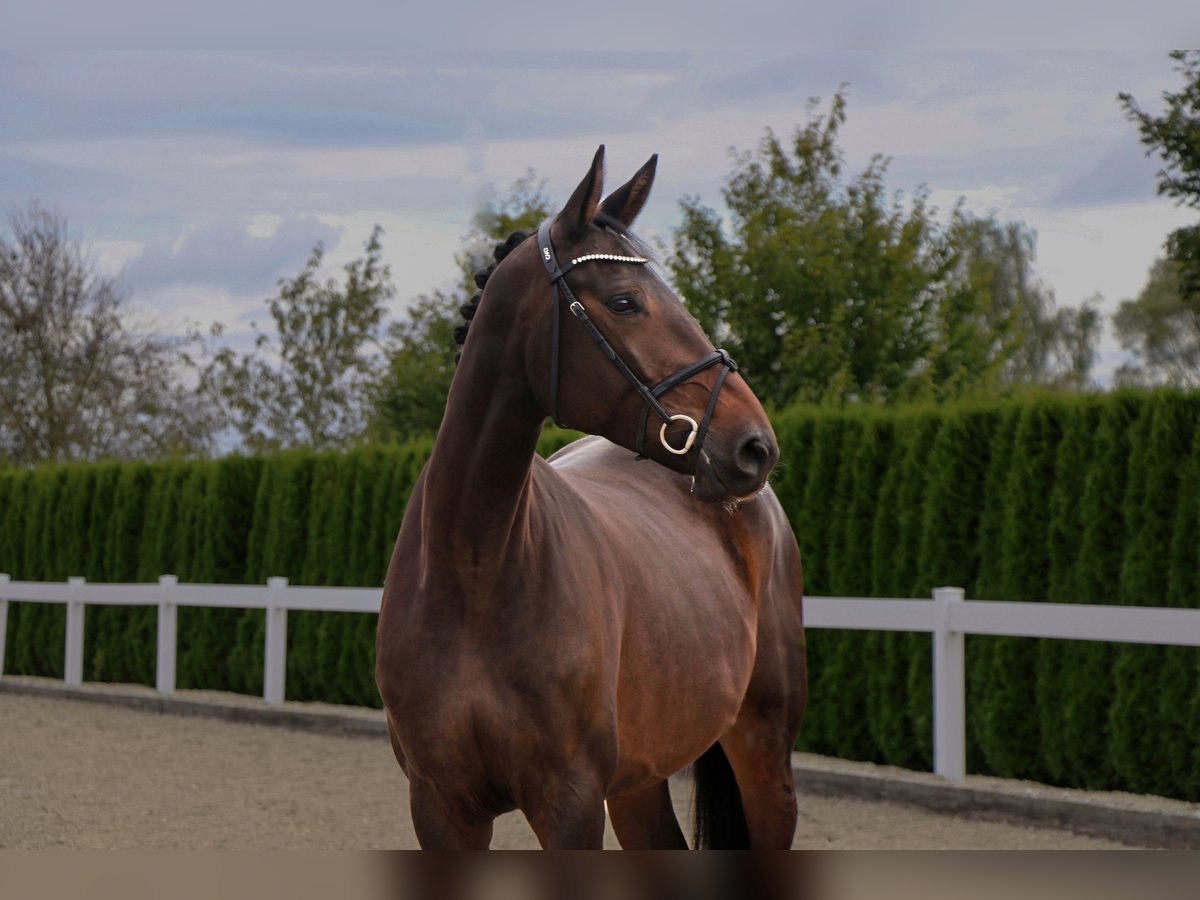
{"x": 500, "y": 876}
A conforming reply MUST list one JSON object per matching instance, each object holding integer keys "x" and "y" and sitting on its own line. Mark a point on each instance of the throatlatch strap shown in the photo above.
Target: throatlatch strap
{"x": 554, "y": 352}
{"x": 546, "y": 251}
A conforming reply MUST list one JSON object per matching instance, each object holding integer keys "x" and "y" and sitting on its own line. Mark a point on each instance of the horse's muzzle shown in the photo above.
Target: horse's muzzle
{"x": 739, "y": 472}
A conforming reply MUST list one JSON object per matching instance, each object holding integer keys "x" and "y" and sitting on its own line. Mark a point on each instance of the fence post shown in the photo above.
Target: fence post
{"x": 275, "y": 656}
{"x": 73, "y": 659}
{"x": 949, "y": 689}
{"x": 3, "y": 617}
{"x": 168, "y": 620}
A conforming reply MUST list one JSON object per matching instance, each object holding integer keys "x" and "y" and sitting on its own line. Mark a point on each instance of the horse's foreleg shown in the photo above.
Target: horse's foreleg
{"x": 439, "y": 829}
{"x": 394, "y": 739}
{"x": 761, "y": 759}
{"x": 646, "y": 820}
{"x": 568, "y": 813}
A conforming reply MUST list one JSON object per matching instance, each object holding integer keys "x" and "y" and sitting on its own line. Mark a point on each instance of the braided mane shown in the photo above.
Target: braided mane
{"x": 469, "y": 308}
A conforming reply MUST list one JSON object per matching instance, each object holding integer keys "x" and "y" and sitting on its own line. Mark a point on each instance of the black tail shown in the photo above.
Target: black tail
{"x": 720, "y": 819}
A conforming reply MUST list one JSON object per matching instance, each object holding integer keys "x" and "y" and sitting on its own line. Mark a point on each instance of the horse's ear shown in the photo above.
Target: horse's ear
{"x": 577, "y": 215}
{"x": 627, "y": 201}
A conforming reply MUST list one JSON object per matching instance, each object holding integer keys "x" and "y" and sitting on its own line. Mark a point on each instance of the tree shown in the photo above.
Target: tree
{"x": 1175, "y": 135}
{"x": 1161, "y": 330}
{"x": 831, "y": 289}
{"x": 998, "y": 325}
{"x": 309, "y": 384}
{"x": 411, "y": 396}
{"x": 524, "y": 209}
{"x": 822, "y": 289}
{"x": 81, "y": 380}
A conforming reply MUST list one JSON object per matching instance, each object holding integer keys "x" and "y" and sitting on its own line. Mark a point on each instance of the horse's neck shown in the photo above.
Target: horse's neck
{"x": 478, "y": 482}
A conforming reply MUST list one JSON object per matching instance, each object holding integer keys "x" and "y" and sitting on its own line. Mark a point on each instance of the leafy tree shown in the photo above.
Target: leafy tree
{"x": 1175, "y": 135}
{"x": 831, "y": 289}
{"x": 80, "y": 379}
{"x": 1161, "y": 330}
{"x": 524, "y": 209}
{"x": 814, "y": 291}
{"x": 998, "y": 325}
{"x": 410, "y": 397}
{"x": 308, "y": 385}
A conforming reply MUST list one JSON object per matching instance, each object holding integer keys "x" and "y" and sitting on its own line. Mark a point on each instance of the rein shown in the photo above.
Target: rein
{"x": 562, "y": 292}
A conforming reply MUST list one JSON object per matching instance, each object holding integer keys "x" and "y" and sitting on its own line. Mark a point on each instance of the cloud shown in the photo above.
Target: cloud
{"x": 1123, "y": 175}
{"x": 982, "y": 201}
{"x": 312, "y": 100}
{"x": 1100, "y": 249}
{"x": 242, "y": 161}
{"x": 66, "y": 96}
{"x": 420, "y": 249}
{"x": 802, "y": 74}
{"x": 25, "y": 178}
{"x": 180, "y": 308}
{"x": 234, "y": 254}
{"x": 402, "y": 30}
{"x": 113, "y": 256}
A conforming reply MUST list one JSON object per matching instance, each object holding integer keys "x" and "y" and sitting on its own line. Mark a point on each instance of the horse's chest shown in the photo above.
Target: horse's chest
{"x": 496, "y": 665}
{"x": 487, "y": 722}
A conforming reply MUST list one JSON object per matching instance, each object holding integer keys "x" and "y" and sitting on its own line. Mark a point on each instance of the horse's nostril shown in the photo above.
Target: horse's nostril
{"x": 754, "y": 455}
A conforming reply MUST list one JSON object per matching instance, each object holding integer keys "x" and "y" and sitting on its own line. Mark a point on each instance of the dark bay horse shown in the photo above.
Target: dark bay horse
{"x": 560, "y": 634}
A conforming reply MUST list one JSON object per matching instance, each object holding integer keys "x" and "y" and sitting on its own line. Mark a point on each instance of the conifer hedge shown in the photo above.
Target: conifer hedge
{"x": 1090, "y": 499}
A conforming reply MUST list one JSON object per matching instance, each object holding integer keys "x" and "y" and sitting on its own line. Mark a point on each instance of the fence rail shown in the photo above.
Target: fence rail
{"x": 276, "y": 597}
{"x": 948, "y": 617}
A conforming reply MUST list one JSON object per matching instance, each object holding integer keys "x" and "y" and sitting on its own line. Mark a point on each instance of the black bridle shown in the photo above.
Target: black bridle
{"x": 562, "y": 292}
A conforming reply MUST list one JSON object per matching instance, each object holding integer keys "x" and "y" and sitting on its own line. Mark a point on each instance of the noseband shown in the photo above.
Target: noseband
{"x": 562, "y": 293}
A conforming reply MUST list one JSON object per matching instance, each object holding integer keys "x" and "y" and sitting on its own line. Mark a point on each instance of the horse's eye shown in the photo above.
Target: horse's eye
{"x": 623, "y": 306}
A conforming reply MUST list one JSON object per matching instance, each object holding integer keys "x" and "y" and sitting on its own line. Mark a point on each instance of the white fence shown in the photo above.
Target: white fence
{"x": 947, "y": 617}
{"x": 276, "y": 597}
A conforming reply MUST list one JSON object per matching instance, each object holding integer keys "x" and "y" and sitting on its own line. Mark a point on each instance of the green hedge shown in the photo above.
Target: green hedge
{"x": 319, "y": 519}
{"x": 1089, "y": 499}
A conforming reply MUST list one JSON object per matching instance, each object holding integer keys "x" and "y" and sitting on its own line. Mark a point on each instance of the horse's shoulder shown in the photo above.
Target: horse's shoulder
{"x": 607, "y": 475}
{"x": 588, "y": 450}
{"x": 593, "y": 463}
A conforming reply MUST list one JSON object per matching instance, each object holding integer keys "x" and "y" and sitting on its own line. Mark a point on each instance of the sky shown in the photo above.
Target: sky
{"x": 202, "y": 177}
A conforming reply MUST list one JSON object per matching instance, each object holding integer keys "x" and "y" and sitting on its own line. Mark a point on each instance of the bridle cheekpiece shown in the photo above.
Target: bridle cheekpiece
{"x": 562, "y": 293}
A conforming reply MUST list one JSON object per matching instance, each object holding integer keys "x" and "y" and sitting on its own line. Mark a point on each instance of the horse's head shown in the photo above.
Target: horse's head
{"x": 609, "y": 348}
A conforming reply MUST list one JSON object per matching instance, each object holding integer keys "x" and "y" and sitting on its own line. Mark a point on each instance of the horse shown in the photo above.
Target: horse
{"x": 560, "y": 636}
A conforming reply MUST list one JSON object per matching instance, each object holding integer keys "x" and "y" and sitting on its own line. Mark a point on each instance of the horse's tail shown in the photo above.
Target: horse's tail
{"x": 720, "y": 818}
